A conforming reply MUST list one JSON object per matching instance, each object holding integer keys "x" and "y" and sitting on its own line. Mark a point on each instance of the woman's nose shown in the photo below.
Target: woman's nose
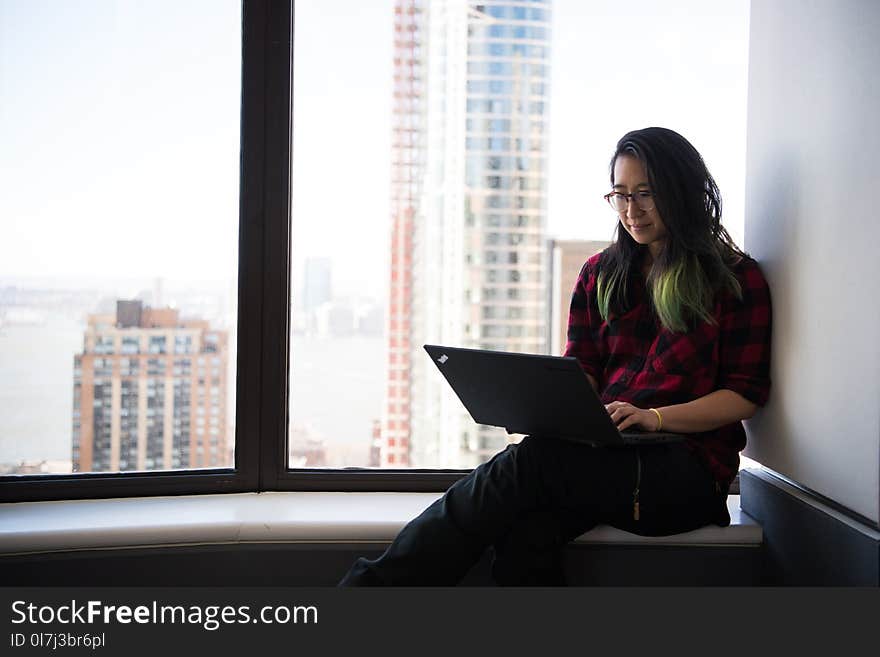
{"x": 632, "y": 208}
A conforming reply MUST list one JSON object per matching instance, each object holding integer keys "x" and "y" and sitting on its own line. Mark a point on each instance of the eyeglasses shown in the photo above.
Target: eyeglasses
{"x": 620, "y": 202}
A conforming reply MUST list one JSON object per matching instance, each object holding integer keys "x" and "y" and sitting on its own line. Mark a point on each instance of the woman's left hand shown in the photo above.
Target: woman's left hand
{"x": 625, "y": 415}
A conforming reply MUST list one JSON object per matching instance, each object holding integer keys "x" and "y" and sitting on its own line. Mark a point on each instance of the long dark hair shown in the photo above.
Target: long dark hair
{"x": 697, "y": 258}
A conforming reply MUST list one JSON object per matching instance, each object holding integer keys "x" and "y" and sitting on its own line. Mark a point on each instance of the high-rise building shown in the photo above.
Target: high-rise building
{"x": 317, "y": 283}
{"x": 567, "y": 257}
{"x": 149, "y": 392}
{"x": 469, "y": 191}
{"x": 312, "y": 314}
{"x": 407, "y": 155}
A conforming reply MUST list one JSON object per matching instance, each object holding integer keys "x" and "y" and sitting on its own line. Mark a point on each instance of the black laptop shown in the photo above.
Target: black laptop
{"x": 535, "y": 395}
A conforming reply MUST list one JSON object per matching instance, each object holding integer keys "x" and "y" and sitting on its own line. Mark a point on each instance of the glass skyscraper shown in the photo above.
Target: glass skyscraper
{"x": 470, "y": 189}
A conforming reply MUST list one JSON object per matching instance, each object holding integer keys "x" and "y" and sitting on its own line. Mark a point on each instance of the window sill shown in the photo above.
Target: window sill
{"x": 275, "y": 517}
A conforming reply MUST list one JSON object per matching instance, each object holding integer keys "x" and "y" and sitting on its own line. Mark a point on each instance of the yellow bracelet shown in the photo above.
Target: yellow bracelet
{"x": 659, "y": 419}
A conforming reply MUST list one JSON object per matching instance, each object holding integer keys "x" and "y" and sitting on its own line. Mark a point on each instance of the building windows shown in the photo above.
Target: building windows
{"x": 183, "y": 344}
{"x": 104, "y": 344}
{"x": 130, "y": 344}
{"x": 129, "y": 366}
{"x": 513, "y": 12}
{"x": 182, "y": 368}
{"x": 506, "y": 49}
{"x": 211, "y": 343}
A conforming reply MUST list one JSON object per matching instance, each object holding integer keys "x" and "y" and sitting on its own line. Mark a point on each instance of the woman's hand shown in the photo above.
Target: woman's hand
{"x": 625, "y": 415}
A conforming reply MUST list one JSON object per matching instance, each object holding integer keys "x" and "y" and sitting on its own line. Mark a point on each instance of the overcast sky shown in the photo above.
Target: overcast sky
{"x": 119, "y": 131}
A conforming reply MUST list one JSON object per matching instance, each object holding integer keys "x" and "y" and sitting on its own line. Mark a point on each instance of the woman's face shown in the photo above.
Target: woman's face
{"x": 644, "y": 226}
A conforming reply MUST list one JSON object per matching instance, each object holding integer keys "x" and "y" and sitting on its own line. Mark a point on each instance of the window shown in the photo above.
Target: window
{"x": 183, "y": 344}
{"x": 104, "y": 344}
{"x": 130, "y": 345}
{"x": 342, "y": 292}
{"x": 126, "y": 327}
{"x": 157, "y": 344}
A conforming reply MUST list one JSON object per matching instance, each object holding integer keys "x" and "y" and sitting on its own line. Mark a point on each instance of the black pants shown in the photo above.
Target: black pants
{"x": 531, "y": 499}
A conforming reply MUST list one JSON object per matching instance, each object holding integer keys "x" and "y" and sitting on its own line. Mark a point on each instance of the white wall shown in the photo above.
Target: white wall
{"x": 813, "y": 222}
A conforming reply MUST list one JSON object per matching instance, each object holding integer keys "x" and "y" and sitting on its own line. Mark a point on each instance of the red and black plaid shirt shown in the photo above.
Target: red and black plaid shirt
{"x": 635, "y": 360}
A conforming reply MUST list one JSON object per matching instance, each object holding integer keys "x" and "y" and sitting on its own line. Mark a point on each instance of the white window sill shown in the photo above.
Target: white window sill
{"x": 277, "y": 517}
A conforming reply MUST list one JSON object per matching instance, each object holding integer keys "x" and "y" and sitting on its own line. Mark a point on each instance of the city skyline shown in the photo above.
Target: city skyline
{"x": 54, "y": 317}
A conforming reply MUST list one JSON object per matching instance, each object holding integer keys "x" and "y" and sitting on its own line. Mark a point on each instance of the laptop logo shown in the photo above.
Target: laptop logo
{"x": 442, "y": 360}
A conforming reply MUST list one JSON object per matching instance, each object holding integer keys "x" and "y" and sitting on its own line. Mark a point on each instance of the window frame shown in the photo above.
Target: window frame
{"x": 261, "y": 447}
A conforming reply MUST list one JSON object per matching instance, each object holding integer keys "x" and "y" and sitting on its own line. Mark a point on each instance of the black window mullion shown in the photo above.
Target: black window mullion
{"x": 367, "y": 479}
{"x": 94, "y": 485}
{"x": 254, "y": 441}
{"x": 277, "y": 69}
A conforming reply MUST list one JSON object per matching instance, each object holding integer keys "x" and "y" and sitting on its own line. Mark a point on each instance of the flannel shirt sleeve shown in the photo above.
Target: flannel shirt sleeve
{"x": 584, "y": 322}
{"x": 745, "y": 328}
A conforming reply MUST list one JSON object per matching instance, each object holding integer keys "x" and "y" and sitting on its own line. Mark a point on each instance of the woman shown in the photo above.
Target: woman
{"x": 671, "y": 324}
